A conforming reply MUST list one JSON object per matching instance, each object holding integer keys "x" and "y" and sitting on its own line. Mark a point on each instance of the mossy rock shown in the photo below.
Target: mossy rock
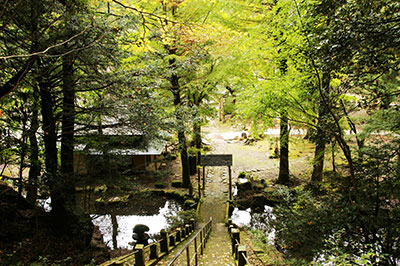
{"x": 160, "y": 185}
{"x": 171, "y": 194}
{"x": 258, "y": 186}
{"x": 101, "y": 189}
{"x": 190, "y": 204}
{"x": 242, "y": 175}
{"x": 176, "y": 183}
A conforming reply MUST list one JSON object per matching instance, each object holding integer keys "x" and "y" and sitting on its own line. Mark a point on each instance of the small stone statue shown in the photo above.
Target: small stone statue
{"x": 139, "y": 234}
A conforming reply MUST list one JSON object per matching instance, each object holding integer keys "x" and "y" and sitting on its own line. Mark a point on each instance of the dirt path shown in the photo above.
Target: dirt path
{"x": 218, "y": 251}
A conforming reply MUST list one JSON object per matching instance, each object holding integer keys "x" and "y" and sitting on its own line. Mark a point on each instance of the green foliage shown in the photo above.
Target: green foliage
{"x": 183, "y": 217}
{"x": 190, "y": 204}
{"x": 336, "y": 255}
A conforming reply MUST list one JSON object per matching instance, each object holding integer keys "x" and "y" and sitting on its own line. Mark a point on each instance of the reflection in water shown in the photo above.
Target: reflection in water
{"x": 241, "y": 218}
{"x": 45, "y": 204}
{"x": 256, "y": 220}
{"x": 117, "y": 232}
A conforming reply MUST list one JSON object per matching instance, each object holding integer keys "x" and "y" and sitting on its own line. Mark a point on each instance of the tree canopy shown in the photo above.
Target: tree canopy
{"x": 70, "y": 68}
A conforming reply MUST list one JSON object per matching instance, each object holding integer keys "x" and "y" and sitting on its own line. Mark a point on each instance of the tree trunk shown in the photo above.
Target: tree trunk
{"x": 197, "y": 138}
{"x": 67, "y": 137}
{"x": 321, "y": 137}
{"x": 51, "y": 152}
{"x": 22, "y": 157}
{"x": 35, "y": 166}
{"x": 283, "y": 177}
{"x": 181, "y": 136}
{"x": 175, "y": 89}
{"x": 34, "y": 169}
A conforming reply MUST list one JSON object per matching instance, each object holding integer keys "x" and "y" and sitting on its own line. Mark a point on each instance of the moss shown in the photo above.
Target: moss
{"x": 100, "y": 189}
{"x": 258, "y": 186}
{"x": 190, "y": 204}
{"x": 160, "y": 185}
{"x": 242, "y": 175}
{"x": 176, "y": 183}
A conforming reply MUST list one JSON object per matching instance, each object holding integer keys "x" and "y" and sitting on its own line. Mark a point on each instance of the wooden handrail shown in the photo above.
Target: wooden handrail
{"x": 203, "y": 234}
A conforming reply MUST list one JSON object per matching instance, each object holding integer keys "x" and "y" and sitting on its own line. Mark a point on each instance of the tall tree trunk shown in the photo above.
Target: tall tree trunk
{"x": 22, "y": 157}
{"x": 67, "y": 137}
{"x": 175, "y": 89}
{"x": 181, "y": 132}
{"x": 321, "y": 136}
{"x": 34, "y": 169}
{"x": 283, "y": 177}
{"x": 35, "y": 166}
{"x": 51, "y": 153}
{"x": 197, "y": 138}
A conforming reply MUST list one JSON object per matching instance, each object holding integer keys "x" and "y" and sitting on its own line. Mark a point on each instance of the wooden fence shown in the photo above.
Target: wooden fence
{"x": 197, "y": 244}
{"x": 238, "y": 251}
{"x": 151, "y": 254}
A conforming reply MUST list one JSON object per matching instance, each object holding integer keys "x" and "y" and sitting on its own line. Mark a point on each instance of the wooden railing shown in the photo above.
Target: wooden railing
{"x": 198, "y": 243}
{"x": 151, "y": 254}
{"x": 238, "y": 251}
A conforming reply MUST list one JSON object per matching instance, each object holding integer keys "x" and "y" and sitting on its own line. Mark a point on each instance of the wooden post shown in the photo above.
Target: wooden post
{"x": 204, "y": 177}
{"x": 139, "y": 255}
{"x": 164, "y": 241}
{"x": 178, "y": 235}
{"x": 187, "y": 229}
{"x": 183, "y": 233}
{"x": 153, "y": 252}
{"x": 198, "y": 182}
{"x": 195, "y": 251}
{"x": 171, "y": 240}
{"x": 187, "y": 256}
{"x": 230, "y": 182}
{"x": 193, "y": 223}
{"x": 230, "y": 228}
{"x": 235, "y": 239}
{"x": 205, "y": 236}
{"x": 242, "y": 255}
{"x": 201, "y": 242}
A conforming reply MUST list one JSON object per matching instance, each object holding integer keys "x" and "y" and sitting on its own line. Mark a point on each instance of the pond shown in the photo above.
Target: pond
{"x": 117, "y": 229}
{"x": 254, "y": 220}
{"x": 116, "y": 223}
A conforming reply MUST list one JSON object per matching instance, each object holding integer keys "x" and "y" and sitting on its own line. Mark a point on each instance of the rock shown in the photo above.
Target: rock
{"x": 139, "y": 234}
{"x": 176, "y": 183}
{"x": 244, "y": 186}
